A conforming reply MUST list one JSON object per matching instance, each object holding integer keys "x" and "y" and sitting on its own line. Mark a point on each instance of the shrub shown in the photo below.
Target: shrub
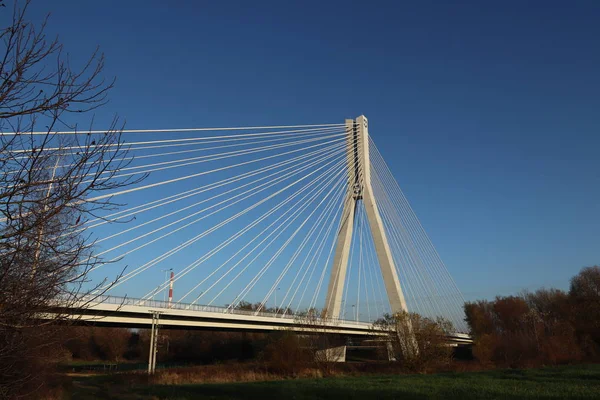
{"x": 111, "y": 343}
{"x": 286, "y": 354}
{"x": 584, "y": 293}
{"x": 418, "y": 343}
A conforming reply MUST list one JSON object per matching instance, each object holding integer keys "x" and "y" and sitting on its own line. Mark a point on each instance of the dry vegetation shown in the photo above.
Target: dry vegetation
{"x": 418, "y": 343}
{"x": 224, "y": 373}
{"x": 546, "y": 327}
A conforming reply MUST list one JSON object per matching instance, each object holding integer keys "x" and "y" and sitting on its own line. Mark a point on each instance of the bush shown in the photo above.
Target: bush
{"x": 28, "y": 363}
{"x": 584, "y": 293}
{"x": 111, "y": 343}
{"x": 418, "y": 343}
{"x": 286, "y": 354}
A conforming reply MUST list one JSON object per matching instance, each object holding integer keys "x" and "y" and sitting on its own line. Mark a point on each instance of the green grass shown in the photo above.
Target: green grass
{"x": 572, "y": 382}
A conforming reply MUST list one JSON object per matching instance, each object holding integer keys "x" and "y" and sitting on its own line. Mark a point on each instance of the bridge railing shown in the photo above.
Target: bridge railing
{"x": 154, "y": 304}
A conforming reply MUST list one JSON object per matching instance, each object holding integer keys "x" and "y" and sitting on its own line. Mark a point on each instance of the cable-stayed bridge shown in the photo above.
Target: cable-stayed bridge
{"x": 256, "y": 225}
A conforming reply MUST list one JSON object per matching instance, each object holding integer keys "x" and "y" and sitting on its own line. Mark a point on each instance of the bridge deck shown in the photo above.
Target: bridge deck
{"x": 129, "y": 312}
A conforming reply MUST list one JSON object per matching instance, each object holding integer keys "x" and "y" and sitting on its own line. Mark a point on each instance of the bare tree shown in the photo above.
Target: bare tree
{"x": 584, "y": 293}
{"x": 417, "y": 342}
{"x": 325, "y": 347}
{"x": 51, "y": 183}
{"x": 311, "y": 346}
{"x": 112, "y": 343}
{"x": 534, "y": 328}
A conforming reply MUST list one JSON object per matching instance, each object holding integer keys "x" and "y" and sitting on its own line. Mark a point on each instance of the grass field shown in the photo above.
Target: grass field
{"x": 571, "y": 382}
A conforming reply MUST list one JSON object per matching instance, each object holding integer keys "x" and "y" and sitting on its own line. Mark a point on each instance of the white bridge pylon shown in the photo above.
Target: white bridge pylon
{"x": 360, "y": 189}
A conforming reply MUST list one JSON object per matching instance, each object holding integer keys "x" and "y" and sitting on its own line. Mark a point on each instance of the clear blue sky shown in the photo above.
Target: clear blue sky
{"x": 488, "y": 113}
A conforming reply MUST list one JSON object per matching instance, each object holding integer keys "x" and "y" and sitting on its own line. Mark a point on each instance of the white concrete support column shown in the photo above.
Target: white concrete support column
{"x": 153, "y": 343}
{"x": 151, "y": 351}
{"x": 359, "y": 188}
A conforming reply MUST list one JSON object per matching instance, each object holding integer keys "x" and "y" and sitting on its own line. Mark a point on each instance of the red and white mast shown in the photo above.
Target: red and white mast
{"x": 171, "y": 288}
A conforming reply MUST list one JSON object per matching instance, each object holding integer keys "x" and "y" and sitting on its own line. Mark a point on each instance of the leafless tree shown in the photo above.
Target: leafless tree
{"x": 325, "y": 348}
{"x": 534, "y": 328}
{"x": 417, "y": 342}
{"x": 51, "y": 183}
{"x": 584, "y": 293}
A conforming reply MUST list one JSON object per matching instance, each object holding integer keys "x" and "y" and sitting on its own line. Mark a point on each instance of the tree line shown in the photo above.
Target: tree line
{"x": 89, "y": 343}
{"x": 548, "y": 326}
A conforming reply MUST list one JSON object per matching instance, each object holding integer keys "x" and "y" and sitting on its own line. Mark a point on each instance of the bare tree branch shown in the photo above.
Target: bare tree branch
{"x": 45, "y": 183}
